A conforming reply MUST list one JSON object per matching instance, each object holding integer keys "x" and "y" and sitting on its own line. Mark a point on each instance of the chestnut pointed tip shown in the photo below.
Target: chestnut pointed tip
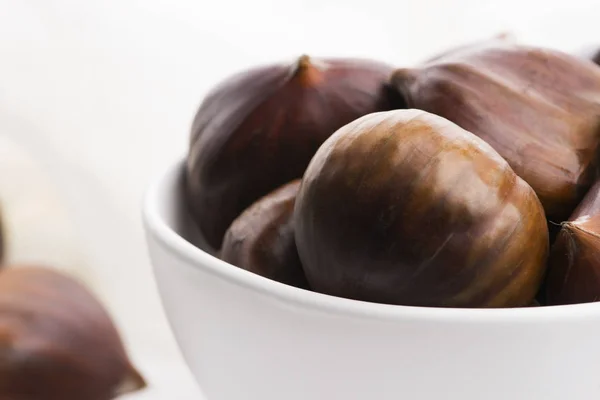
{"x": 304, "y": 62}
{"x": 402, "y": 76}
{"x": 401, "y": 80}
{"x": 307, "y": 70}
{"x": 133, "y": 382}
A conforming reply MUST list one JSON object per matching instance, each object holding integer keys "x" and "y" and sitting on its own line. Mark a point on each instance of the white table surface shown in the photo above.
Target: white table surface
{"x": 96, "y": 97}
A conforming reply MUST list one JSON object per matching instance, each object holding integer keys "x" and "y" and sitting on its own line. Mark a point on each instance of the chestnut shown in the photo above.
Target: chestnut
{"x": 258, "y": 129}
{"x": 538, "y": 108}
{"x": 57, "y": 341}
{"x": 574, "y": 264}
{"x": 261, "y": 240}
{"x": 405, "y": 207}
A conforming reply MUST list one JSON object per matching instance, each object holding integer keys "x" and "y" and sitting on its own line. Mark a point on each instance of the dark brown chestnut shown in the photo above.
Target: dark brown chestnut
{"x": 261, "y": 239}
{"x": 258, "y": 130}
{"x": 57, "y": 342}
{"x": 405, "y": 207}
{"x": 538, "y": 108}
{"x": 574, "y": 264}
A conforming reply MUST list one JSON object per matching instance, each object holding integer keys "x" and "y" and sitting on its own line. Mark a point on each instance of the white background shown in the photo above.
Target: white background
{"x": 96, "y": 98}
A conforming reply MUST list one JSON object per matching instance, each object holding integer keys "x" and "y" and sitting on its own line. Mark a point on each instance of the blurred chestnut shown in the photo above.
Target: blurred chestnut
{"x": 258, "y": 129}
{"x": 405, "y": 207}
{"x": 538, "y": 108}
{"x": 574, "y": 265}
{"x": 57, "y": 342}
{"x": 261, "y": 239}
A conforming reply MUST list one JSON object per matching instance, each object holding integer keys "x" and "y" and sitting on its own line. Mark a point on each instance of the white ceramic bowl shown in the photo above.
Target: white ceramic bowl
{"x": 249, "y": 338}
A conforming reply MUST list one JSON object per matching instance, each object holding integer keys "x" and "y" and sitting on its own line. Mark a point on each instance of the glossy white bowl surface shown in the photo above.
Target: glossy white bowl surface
{"x": 249, "y": 338}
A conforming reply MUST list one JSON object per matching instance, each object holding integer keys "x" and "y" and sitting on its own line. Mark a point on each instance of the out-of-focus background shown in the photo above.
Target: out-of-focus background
{"x": 96, "y": 99}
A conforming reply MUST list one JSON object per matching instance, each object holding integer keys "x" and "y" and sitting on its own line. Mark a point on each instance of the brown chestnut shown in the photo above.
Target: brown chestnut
{"x": 574, "y": 264}
{"x": 405, "y": 207}
{"x": 261, "y": 239}
{"x": 57, "y": 342}
{"x": 538, "y": 108}
{"x": 258, "y": 130}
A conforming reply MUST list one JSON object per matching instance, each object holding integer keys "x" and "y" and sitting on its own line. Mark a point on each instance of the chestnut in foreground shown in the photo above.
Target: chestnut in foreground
{"x": 261, "y": 240}
{"x": 405, "y": 207}
{"x": 538, "y": 108}
{"x": 57, "y": 342}
{"x": 574, "y": 267}
{"x": 259, "y": 129}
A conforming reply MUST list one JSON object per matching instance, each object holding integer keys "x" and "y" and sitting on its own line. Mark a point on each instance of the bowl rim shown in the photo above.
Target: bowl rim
{"x": 195, "y": 257}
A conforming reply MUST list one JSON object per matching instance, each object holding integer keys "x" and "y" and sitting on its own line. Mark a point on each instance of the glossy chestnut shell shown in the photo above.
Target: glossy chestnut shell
{"x": 405, "y": 207}
{"x": 538, "y": 108}
{"x": 261, "y": 239}
{"x": 258, "y": 130}
{"x": 574, "y": 265}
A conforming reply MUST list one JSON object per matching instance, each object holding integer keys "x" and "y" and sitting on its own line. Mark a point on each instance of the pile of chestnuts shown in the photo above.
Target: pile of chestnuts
{"x": 469, "y": 180}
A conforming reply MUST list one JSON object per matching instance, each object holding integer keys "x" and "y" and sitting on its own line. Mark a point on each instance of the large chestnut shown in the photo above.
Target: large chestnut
{"x": 538, "y": 108}
{"x": 405, "y": 207}
{"x": 574, "y": 266}
{"x": 261, "y": 239}
{"x": 258, "y": 130}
